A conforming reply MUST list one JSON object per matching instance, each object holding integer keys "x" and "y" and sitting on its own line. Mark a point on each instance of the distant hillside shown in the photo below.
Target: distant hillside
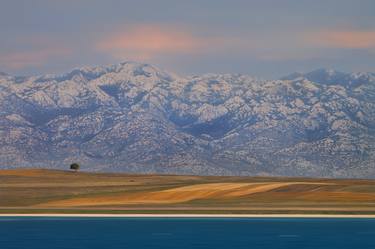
{"x": 137, "y": 118}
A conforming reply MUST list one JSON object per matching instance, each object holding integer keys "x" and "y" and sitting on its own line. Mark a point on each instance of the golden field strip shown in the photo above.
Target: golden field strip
{"x": 54, "y": 191}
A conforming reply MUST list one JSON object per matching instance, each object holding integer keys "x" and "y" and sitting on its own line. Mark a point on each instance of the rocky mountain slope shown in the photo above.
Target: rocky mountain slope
{"x": 137, "y": 118}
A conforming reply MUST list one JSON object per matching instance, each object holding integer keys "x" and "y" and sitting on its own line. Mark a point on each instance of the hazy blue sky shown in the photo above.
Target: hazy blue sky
{"x": 262, "y": 38}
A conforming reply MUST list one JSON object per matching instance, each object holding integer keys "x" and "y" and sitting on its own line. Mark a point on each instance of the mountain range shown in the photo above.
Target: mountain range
{"x": 134, "y": 117}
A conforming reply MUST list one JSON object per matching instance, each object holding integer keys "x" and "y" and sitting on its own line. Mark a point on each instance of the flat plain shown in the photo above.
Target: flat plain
{"x": 56, "y": 191}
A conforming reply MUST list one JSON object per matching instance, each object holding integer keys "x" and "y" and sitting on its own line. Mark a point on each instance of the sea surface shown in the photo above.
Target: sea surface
{"x": 175, "y": 233}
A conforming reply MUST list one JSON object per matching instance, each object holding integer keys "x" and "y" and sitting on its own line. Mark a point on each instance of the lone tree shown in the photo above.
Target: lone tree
{"x": 74, "y": 166}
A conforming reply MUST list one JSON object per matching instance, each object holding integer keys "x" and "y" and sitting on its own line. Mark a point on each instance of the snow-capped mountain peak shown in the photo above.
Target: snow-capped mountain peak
{"x": 137, "y": 117}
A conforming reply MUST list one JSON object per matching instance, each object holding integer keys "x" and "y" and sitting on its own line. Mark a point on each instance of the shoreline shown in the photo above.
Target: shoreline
{"x": 191, "y": 215}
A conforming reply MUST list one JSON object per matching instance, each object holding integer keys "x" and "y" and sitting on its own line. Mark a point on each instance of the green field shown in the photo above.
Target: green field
{"x": 53, "y": 191}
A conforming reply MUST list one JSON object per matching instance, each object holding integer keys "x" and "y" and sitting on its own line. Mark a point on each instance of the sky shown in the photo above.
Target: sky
{"x": 263, "y": 38}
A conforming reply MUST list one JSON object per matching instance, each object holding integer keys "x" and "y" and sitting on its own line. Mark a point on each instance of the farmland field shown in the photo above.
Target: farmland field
{"x": 46, "y": 191}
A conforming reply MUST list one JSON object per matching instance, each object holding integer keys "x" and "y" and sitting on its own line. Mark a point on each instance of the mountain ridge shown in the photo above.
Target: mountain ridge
{"x": 135, "y": 117}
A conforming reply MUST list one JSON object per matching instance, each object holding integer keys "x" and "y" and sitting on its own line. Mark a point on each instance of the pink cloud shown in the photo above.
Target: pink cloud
{"x": 342, "y": 38}
{"x": 146, "y": 41}
{"x": 37, "y": 57}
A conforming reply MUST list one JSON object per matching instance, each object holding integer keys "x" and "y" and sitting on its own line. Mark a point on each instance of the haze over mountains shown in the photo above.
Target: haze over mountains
{"x": 137, "y": 118}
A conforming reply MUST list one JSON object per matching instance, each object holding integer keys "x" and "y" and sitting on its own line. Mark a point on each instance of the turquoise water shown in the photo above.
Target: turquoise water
{"x": 165, "y": 233}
